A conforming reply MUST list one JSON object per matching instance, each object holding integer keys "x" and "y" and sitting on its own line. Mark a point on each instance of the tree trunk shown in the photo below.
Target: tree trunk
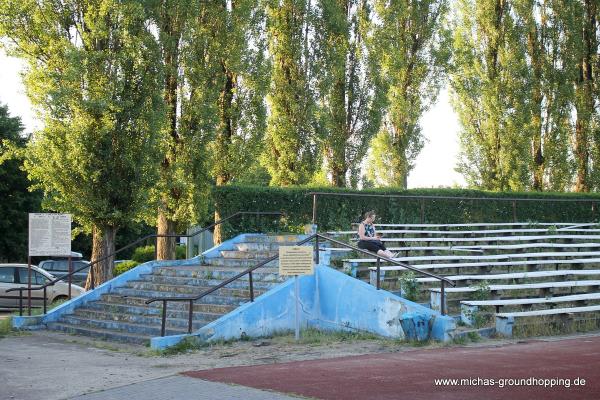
{"x": 103, "y": 244}
{"x": 165, "y": 247}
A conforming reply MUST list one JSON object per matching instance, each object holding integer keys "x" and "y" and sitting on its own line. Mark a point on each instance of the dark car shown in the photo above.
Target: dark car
{"x": 59, "y": 268}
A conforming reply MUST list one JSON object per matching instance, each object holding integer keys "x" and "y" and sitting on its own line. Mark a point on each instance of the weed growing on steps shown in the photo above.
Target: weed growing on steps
{"x": 409, "y": 285}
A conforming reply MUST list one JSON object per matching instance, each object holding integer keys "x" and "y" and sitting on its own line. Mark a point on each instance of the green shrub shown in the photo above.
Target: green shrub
{"x": 409, "y": 285}
{"x": 125, "y": 266}
{"x": 143, "y": 254}
{"x": 339, "y": 212}
{"x": 146, "y": 253}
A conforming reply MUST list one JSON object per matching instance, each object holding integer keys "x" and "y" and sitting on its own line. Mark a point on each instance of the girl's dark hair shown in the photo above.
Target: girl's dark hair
{"x": 369, "y": 213}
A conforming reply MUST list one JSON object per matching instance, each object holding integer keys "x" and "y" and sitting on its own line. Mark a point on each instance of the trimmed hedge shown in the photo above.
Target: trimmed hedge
{"x": 338, "y": 212}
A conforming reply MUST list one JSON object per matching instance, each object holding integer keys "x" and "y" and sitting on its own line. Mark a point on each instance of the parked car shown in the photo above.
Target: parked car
{"x": 16, "y": 276}
{"x": 60, "y": 267}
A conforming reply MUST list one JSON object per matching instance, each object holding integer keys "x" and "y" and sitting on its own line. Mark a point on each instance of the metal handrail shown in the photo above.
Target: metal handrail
{"x": 315, "y": 237}
{"x": 51, "y": 283}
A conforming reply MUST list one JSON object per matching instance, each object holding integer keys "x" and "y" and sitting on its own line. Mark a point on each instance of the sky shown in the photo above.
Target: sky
{"x": 434, "y": 166}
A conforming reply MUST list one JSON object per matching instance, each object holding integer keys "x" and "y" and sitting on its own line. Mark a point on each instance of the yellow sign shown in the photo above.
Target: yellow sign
{"x": 296, "y": 260}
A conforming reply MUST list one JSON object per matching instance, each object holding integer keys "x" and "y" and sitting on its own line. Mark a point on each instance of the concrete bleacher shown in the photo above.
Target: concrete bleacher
{"x": 526, "y": 268}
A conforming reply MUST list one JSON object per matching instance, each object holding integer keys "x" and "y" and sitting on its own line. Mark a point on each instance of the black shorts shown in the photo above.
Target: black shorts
{"x": 372, "y": 245}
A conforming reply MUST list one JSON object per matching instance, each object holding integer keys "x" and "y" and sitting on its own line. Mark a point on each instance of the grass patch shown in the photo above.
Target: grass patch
{"x": 314, "y": 336}
{"x": 6, "y": 327}
{"x": 40, "y": 310}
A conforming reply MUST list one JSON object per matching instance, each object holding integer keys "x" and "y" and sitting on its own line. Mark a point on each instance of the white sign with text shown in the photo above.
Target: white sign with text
{"x": 49, "y": 234}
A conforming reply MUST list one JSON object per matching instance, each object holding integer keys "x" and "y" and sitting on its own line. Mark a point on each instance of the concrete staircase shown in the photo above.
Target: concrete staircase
{"x": 122, "y": 314}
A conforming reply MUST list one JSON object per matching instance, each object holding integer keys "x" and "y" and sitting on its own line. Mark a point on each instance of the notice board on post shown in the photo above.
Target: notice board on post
{"x": 296, "y": 260}
{"x": 49, "y": 234}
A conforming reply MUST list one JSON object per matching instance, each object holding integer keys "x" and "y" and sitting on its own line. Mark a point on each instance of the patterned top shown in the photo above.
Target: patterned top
{"x": 369, "y": 230}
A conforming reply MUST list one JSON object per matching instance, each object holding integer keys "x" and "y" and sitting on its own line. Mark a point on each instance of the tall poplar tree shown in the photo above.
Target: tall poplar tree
{"x": 489, "y": 83}
{"x": 348, "y": 103}
{"x": 93, "y": 77}
{"x": 290, "y": 153}
{"x": 233, "y": 74}
{"x": 411, "y": 44}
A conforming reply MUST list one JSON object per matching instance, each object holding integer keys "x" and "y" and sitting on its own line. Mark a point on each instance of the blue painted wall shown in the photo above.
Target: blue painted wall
{"x": 329, "y": 300}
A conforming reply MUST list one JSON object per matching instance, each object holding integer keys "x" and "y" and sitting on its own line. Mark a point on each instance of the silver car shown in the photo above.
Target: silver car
{"x": 16, "y": 276}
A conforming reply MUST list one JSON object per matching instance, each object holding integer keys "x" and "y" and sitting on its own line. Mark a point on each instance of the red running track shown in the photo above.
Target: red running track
{"x": 412, "y": 374}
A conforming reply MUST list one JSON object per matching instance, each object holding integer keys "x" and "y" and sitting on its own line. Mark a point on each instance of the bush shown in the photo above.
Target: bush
{"x": 125, "y": 266}
{"x": 143, "y": 254}
{"x": 146, "y": 253}
{"x": 338, "y": 212}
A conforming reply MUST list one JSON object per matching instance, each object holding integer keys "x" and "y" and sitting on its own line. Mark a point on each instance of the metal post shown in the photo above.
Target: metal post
{"x": 29, "y": 284}
{"x": 422, "y": 211}
{"x": 156, "y": 248}
{"x": 316, "y": 249}
{"x": 314, "y": 219}
{"x": 297, "y": 290}
{"x": 514, "y": 204}
{"x": 378, "y": 272}
{"x": 251, "y": 286}
{"x": 70, "y": 277}
{"x": 92, "y": 274}
{"x": 20, "y": 302}
{"x": 164, "y": 318}
{"x": 45, "y": 298}
{"x": 190, "y": 316}
{"x": 443, "y": 295}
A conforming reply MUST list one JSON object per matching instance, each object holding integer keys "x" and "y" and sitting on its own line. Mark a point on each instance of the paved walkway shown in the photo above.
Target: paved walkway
{"x": 538, "y": 369}
{"x": 183, "y": 388}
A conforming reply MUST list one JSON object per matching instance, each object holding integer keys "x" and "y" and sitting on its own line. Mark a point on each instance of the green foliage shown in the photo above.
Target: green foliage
{"x": 338, "y": 212}
{"x": 412, "y": 49}
{"x": 348, "y": 108}
{"x": 290, "y": 154}
{"x": 143, "y": 254}
{"x": 17, "y": 201}
{"x": 522, "y": 86}
{"x": 482, "y": 291}
{"x": 146, "y": 253}
{"x": 125, "y": 266}
{"x": 409, "y": 285}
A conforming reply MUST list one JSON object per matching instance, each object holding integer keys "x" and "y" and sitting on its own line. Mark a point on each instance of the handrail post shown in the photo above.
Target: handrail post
{"x": 314, "y": 216}
{"x": 317, "y": 249}
{"x": 156, "y": 248}
{"x": 92, "y": 267}
{"x": 20, "y": 302}
{"x": 443, "y": 296}
{"x": 251, "y": 286}
{"x": 190, "y": 315}
{"x": 378, "y": 272}
{"x": 70, "y": 281}
{"x": 45, "y": 301}
{"x": 164, "y": 318}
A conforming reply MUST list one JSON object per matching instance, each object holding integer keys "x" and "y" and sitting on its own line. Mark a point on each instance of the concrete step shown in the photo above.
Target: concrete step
{"x": 168, "y": 290}
{"x": 261, "y": 246}
{"x": 239, "y": 262}
{"x": 285, "y": 239}
{"x": 138, "y": 329}
{"x": 104, "y": 334}
{"x": 221, "y": 273}
{"x": 199, "y": 282}
{"x": 210, "y": 299}
{"x": 115, "y": 300}
{"x": 239, "y": 254}
{"x": 177, "y": 319}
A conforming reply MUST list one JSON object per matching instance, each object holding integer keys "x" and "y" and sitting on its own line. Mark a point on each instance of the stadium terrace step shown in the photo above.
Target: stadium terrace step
{"x": 548, "y": 322}
{"x": 123, "y": 315}
{"x": 471, "y": 307}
